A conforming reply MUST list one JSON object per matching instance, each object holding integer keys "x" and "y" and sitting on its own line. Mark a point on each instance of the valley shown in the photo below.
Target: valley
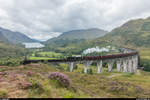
{"x": 92, "y": 62}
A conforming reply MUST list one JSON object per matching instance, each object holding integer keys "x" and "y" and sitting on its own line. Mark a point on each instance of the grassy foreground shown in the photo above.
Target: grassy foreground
{"x": 110, "y": 85}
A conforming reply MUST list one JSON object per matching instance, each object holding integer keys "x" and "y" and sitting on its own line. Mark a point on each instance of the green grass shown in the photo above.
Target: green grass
{"x": 41, "y": 58}
{"x": 50, "y": 53}
{"x": 46, "y": 56}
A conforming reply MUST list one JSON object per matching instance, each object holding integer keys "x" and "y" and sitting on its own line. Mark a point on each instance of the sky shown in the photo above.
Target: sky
{"x": 44, "y": 19}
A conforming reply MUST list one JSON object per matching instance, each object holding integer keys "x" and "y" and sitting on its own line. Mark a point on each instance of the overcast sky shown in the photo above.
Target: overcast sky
{"x": 43, "y": 19}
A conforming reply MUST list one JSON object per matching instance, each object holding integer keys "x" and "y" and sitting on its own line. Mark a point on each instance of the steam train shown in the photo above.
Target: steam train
{"x": 101, "y": 57}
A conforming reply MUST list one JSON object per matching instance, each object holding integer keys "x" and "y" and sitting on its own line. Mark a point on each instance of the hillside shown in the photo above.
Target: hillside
{"x": 77, "y": 35}
{"x": 3, "y": 38}
{"x": 32, "y": 81}
{"x": 9, "y": 50}
{"x": 14, "y": 37}
{"x": 134, "y": 33}
{"x": 11, "y": 55}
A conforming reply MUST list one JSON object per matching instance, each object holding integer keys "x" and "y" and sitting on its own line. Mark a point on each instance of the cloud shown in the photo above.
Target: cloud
{"x": 43, "y": 19}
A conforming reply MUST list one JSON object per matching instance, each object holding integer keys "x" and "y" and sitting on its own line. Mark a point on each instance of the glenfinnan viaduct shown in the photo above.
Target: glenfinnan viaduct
{"x": 125, "y": 62}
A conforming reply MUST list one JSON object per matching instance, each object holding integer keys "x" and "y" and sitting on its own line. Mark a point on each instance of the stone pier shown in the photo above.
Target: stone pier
{"x": 130, "y": 65}
{"x": 118, "y": 65}
{"x": 86, "y": 65}
{"x": 99, "y": 66}
{"x": 135, "y": 61}
{"x": 125, "y": 64}
{"x": 71, "y": 66}
{"x": 110, "y": 65}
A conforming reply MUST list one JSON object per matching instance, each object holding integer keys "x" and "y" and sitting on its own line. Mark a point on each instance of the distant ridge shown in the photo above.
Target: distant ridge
{"x": 83, "y": 34}
{"x": 14, "y": 37}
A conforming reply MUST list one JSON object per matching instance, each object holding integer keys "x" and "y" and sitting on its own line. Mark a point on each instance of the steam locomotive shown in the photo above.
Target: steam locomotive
{"x": 100, "y": 57}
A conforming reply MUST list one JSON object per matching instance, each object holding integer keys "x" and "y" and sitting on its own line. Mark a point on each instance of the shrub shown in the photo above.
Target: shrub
{"x": 76, "y": 67}
{"x": 62, "y": 79}
{"x": 68, "y": 68}
{"x": 146, "y": 64}
{"x": 3, "y": 93}
{"x": 14, "y": 75}
{"x": 60, "y": 68}
{"x": 45, "y": 61}
{"x": 94, "y": 64}
{"x": 3, "y": 73}
{"x": 29, "y": 73}
{"x": 28, "y": 85}
{"x": 35, "y": 86}
{"x": 25, "y": 85}
{"x": 68, "y": 95}
{"x": 90, "y": 71}
{"x": 47, "y": 88}
{"x": 11, "y": 61}
{"x": 82, "y": 71}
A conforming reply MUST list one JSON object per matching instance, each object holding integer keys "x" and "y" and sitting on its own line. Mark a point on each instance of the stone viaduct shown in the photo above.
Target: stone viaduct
{"x": 125, "y": 62}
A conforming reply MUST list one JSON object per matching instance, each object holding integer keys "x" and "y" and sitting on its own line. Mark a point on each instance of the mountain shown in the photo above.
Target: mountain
{"x": 134, "y": 33}
{"x": 14, "y": 37}
{"x": 77, "y": 36}
{"x": 81, "y": 34}
{"x": 3, "y": 38}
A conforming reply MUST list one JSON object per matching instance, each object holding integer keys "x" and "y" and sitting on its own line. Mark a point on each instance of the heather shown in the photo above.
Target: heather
{"x": 49, "y": 81}
{"x": 61, "y": 78}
